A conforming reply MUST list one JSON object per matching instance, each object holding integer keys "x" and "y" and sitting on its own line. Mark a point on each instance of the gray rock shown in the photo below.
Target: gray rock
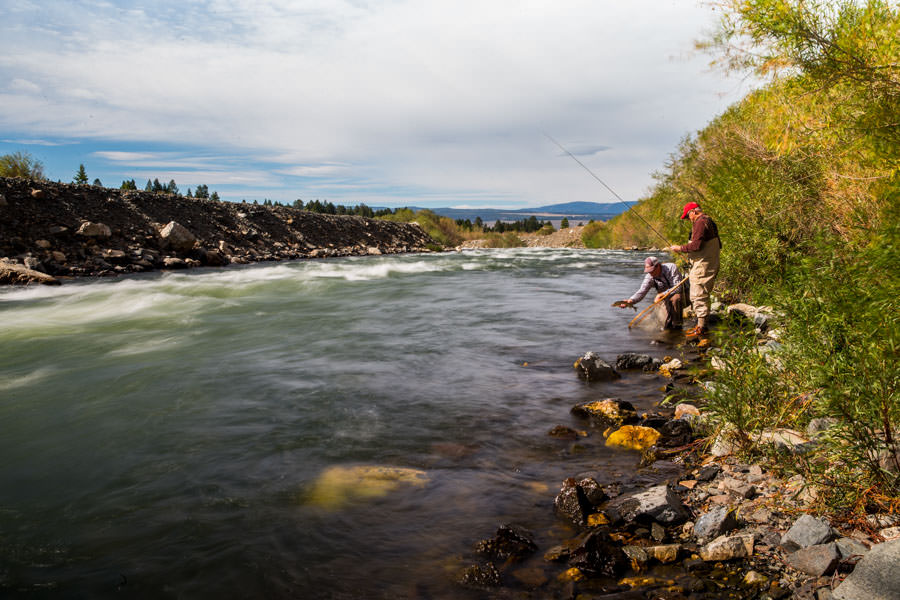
{"x": 658, "y": 503}
{"x": 593, "y": 368}
{"x": 849, "y": 548}
{"x": 876, "y": 576}
{"x": 807, "y": 531}
{"x": 818, "y": 426}
{"x": 817, "y": 561}
{"x": 177, "y": 237}
{"x": 631, "y": 360}
{"x": 171, "y": 262}
{"x": 725, "y": 548}
{"x": 98, "y": 230}
{"x": 716, "y": 522}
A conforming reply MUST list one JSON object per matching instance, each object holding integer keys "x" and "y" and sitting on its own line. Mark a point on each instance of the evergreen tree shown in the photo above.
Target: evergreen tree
{"x": 81, "y": 177}
{"x": 564, "y": 224}
{"x": 157, "y": 186}
{"x": 149, "y": 186}
{"x": 97, "y": 182}
{"x": 214, "y": 197}
{"x": 171, "y": 187}
{"x": 202, "y": 191}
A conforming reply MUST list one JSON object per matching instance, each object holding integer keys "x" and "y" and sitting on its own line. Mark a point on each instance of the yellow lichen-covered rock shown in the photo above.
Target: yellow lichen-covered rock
{"x": 642, "y": 582}
{"x": 341, "y": 485}
{"x": 633, "y": 437}
{"x": 573, "y": 574}
{"x": 597, "y": 519}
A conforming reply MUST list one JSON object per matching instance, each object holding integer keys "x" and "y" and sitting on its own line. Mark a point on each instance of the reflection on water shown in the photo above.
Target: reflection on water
{"x": 164, "y": 434}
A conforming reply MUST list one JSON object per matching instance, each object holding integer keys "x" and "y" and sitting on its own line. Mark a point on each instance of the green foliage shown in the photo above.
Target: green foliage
{"x": 502, "y": 240}
{"x": 81, "y": 177}
{"x": 128, "y": 185}
{"x": 564, "y": 224}
{"x": 547, "y": 229}
{"x": 21, "y": 164}
{"x": 802, "y": 178}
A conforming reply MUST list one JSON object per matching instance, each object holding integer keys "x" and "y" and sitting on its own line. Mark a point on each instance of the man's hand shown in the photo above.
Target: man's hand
{"x": 658, "y": 297}
{"x": 672, "y": 249}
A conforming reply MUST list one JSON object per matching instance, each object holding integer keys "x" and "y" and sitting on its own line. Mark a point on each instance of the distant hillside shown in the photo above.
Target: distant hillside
{"x": 579, "y": 211}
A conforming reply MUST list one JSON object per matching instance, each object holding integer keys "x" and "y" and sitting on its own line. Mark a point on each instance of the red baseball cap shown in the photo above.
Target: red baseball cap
{"x": 688, "y": 208}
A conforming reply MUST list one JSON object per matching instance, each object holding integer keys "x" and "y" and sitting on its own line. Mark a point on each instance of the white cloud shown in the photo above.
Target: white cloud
{"x": 429, "y": 96}
{"x": 24, "y": 86}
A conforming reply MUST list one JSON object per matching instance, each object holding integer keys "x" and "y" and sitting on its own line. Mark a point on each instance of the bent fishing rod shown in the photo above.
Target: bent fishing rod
{"x": 611, "y": 191}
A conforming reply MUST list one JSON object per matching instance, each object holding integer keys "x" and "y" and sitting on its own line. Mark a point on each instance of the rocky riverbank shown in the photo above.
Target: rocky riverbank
{"x": 51, "y": 230}
{"x": 716, "y": 527}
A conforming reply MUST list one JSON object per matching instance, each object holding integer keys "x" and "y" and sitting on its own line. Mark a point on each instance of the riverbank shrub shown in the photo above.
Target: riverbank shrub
{"x": 802, "y": 177}
{"x": 21, "y": 164}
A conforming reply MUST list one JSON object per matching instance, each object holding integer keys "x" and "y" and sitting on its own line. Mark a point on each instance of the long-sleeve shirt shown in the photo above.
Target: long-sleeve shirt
{"x": 703, "y": 230}
{"x": 669, "y": 277}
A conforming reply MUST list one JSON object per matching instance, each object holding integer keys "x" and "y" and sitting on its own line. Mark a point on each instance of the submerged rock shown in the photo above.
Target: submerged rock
{"x": 340, "y": 485}
{"x": 593, "y": 368}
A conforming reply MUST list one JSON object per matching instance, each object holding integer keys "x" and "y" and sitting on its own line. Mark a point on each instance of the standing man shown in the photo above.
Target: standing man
{"x": 703, "y": 252}
{"x": 662, "y": 277}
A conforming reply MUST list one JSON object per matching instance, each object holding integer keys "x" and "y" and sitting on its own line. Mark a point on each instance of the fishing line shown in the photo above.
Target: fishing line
{"x": 611, "y": 191}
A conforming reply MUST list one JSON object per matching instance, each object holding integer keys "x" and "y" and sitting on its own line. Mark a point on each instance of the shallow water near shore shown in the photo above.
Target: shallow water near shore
{"x": 164, "y": 434}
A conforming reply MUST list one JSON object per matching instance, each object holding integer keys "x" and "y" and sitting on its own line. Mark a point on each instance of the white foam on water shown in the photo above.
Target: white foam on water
{"x": 147, "y": 346}
{"x": 12, "y": 383}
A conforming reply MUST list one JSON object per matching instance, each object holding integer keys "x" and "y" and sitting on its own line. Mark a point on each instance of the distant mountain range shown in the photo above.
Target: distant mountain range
{"x": 574, "y": 211}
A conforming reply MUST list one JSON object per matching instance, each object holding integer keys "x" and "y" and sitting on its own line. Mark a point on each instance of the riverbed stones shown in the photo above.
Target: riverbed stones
{"x": 725, "y": 548}
{"x": 609, "y": 412}
{"x": 510, "y": 543}
{"x": 818, "y": 560}
{"x": 577, "y": 500}
{"x": 807, "y": 531}
{"x": 718, "y": 521}
{"x": 598, "y": 556}
{"x": 593, "y": 368}
{"x": 659, "y": 503}
{"x": 876, "y": 576}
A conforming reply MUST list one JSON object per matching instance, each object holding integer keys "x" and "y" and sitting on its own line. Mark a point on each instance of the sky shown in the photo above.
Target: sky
{"x": 430, "y": 103}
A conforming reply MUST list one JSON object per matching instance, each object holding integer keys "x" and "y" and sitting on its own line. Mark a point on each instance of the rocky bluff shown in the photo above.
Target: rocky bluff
{"x": 57, "y": 229}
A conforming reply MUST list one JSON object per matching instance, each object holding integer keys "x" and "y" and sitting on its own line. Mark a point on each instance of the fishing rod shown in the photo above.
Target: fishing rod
{"x": 611, "y": 191}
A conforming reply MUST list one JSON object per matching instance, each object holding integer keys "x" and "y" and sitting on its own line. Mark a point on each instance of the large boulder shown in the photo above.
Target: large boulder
{"x": 177, "y": 237}
{"x": 725, "y": 548}
{"x": 818, "y": 560}
{"x": 15, "y": 274}
{"x": 659, "y": 503}
{"x": 876, "y": 576}
{"x": 593, "y": 368}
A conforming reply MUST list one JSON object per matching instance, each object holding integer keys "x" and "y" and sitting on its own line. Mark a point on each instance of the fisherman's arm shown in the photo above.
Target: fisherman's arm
{"x": 646, "y": 284}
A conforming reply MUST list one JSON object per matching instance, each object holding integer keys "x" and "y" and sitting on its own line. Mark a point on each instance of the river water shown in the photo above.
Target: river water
{"x": 343, "y": 428}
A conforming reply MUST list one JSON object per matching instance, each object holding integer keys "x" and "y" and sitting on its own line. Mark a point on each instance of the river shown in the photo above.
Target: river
{"x": 183, "y": 434}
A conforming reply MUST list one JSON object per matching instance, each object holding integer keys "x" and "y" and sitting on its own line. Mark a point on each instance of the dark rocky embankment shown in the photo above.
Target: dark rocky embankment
{"x": 62, "y": 230}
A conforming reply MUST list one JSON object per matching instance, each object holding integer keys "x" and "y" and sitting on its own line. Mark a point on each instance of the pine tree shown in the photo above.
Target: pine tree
{"x": 81, "y": 177}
